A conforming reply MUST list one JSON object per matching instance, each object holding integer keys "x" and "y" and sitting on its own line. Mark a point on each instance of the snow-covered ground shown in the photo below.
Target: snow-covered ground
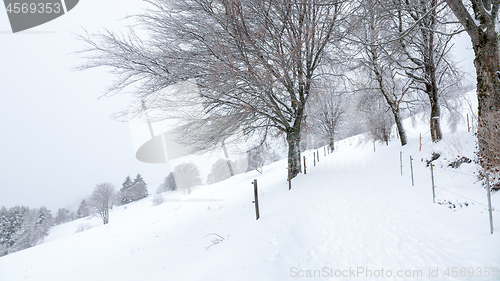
{"x": 352, "y": 217}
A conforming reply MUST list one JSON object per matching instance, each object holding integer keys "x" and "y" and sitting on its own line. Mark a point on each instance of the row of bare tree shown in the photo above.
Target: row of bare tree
{"x": 281, "y": 67}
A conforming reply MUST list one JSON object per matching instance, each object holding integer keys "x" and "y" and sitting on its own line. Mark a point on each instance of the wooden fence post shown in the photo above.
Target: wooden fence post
{"x": 289, "y": 177}
{"x": 411, "y": 168}
{"x": 489, "y": 201}
{"x": 256, "y": 198}
{"x": 305, "y": 171}
{"x": 433, "y": 186}
{"x": 468, "y": 126}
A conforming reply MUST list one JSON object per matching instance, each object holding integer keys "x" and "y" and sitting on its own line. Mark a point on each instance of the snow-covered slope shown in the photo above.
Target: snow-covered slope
{"x": 352, "y": 217}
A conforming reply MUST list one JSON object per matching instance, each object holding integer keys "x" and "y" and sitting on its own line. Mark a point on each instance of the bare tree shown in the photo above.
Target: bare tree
{"x": 102, "y": 199}
{"x": 326, "y": 113}
{"x": 376, "y": 116}
{"x": 379, "y": 59}
{"x": 480, "y": 20}
{"x": 254, "y": 61}
{"x": 187, "y": 175}
{"x": 218, "y": 172}
{"x": 425, "y": 32}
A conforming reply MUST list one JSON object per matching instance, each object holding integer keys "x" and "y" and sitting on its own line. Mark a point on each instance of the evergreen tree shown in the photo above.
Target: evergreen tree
{"x": 21, "y": 228}
{"x": 15, "y": 217}
{"x": 35, "y": 226}
{"x": 168, "y": 184}
{"x": 125, "y": 191}
{"x": 63, "y": 215}
{"x": 138, "y": 178}
{"x": 4, "y": 235}
{"x": 140, "y": 188}
{"x": 44, "y": 218}
{"x": 133, "y": 190}
{"x": 83, "y": 210}
{"x": 127, "y": 183}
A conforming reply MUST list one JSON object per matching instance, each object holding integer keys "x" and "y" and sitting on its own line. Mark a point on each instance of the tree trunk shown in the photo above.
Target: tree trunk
{"x": 395, "y": 111}
{"x": 106, "y": 216}
{"x": 393, "y": 104}
{"x": 488, "y": 94}
{"x": 331, "y": 144}
{"x": 435, "y": 123}
{"x": 430, "y": 74}
{"x": 487, "y": 62}
{"x": 399, "y": 125}
{"x": 228, "y": 162}
{"x": 293, "y": 140}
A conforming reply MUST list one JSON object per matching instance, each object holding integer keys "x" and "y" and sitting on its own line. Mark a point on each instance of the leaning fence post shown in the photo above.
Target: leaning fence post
{"x": 411, "y": 168}
{"x": 314, "y": 158}
{"x": 289, "y": 177}
{"x": 256, "y": 198}
{"x": 489, "y": 201}
{"x": 433, "y": 187}
{"x": 305, "y": 171}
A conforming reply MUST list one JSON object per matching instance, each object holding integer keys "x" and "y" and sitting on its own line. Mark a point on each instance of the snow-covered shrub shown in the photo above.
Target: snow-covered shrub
{"x": 83, "y": 226}
{"x": 158, "y": 199}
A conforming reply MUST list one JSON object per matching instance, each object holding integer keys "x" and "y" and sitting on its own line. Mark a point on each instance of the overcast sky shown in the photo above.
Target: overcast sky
{"x": 57, "y": 139}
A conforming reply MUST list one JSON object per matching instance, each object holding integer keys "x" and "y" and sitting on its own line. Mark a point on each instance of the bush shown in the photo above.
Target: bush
{"x": 84, "y": 226}
{"x": 158, "y": 199}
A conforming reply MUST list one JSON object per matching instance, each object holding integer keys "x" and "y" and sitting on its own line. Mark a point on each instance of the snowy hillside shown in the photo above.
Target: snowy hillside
{"x": 352, "y": 217}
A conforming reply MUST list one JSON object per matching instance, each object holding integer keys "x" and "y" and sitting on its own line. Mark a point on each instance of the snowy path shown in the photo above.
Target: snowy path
{"x": 372, "y": 223}
{"x": 353, "y": 217}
